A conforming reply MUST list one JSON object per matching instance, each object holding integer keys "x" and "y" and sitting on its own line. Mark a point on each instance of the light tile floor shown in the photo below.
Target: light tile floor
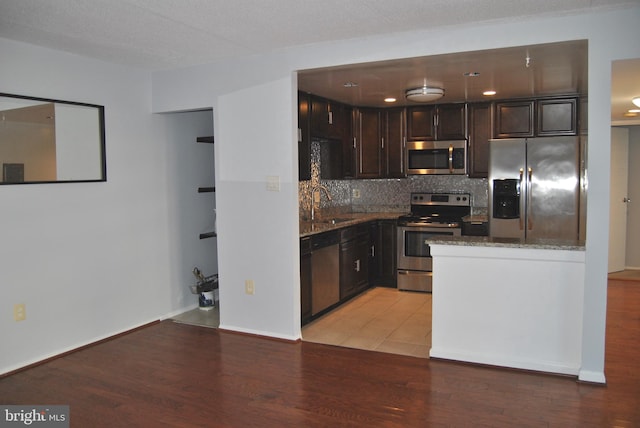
{"x": 209, "y": 318}
{"x": 381, "y": 319}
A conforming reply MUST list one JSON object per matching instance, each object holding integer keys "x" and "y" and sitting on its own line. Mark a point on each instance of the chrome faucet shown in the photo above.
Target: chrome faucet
{"x": 315, "y": 189}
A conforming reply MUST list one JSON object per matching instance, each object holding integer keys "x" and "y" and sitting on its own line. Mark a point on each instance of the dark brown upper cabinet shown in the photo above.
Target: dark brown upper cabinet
{"x": 515, "y": 119}
{"x": 480, "y": 132}
{"x": 304, "y": 137}
{"x": 436, "y": 122}
{"x": 319, "y": 117}
{"x": 557, "y": 117}
{"x": 394, "y": 142}
{"x": 421, "y": 123}
{"x": 368, "y": 143}
{"x": 451, "y": 121}
{"x": 543, "y": 117}
{"x": 379, "y": 142}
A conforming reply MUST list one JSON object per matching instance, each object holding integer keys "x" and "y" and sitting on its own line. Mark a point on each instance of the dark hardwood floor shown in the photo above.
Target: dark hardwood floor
{"x": 177, "y": 375}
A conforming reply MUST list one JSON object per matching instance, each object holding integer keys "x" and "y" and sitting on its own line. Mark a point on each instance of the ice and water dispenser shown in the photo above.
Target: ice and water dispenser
{"x": 506, "y": 198}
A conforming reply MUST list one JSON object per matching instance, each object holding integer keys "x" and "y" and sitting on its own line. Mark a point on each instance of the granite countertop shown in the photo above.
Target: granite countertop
{"x": 325, "y": 224}
{"x": 476, "y": 218}
{"x": 485, "y": 241}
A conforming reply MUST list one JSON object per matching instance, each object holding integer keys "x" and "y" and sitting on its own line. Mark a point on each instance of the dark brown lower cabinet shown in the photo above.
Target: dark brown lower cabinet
{"x": 383, "y": 254}
{"x": 305, "y": 279}
{"x": 367, "y": 258}
{"x": 354, "y": 261}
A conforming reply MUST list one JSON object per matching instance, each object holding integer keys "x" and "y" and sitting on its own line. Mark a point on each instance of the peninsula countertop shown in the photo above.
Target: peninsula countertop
{"x": 486, "y": 241}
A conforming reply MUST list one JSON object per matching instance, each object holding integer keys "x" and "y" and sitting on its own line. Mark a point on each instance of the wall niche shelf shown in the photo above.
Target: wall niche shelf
{"x": 204, "y": 140}
{"x": 206, "y": 189}
{"x": 209, "y": 189}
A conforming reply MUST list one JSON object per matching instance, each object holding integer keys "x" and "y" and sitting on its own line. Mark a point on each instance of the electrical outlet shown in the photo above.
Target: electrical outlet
{"x": 356, "y": 193}
{"x": 249, "y": 287}
{"x": 19, "y": 312}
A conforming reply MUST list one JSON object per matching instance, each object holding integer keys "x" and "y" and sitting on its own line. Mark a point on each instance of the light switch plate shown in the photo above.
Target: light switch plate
{"x": 273, "y": 183}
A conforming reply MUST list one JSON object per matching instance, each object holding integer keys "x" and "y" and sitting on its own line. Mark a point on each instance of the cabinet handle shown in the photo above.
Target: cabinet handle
{"x": 382, "y": 139}
{"x": 373, "y": 251}
{"x": 330, "y": 118}
{"x": 357, "y": 265}
{"x": 354, "y": 142}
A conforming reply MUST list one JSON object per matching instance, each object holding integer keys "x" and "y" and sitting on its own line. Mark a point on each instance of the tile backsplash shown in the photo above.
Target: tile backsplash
{"x": 385, "y": 195}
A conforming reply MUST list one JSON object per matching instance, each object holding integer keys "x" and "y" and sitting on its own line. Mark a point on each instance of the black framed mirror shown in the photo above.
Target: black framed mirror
{"x": 50, "y": 141}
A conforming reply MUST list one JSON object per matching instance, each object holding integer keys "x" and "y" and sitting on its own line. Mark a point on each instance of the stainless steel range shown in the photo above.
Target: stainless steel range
{"x": 432, "y": 214}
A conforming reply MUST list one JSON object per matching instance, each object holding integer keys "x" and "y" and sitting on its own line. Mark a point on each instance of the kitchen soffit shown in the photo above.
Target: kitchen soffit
{"x": 555, "y": 68}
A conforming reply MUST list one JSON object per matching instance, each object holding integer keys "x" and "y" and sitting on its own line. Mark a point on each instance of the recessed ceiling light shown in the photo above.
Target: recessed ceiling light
{"x": 389, "y": 100}
{"x": 489, "y": 93}
{"x": 350, "y": 84}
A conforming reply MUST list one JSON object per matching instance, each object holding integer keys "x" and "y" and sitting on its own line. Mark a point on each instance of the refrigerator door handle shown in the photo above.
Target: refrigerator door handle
{"x": 529, "y": 189}
{"x": 451, "y": 158}
{"x": 520, "y": 191}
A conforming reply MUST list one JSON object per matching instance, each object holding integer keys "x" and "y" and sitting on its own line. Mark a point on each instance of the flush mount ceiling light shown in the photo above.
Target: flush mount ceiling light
{"x": 636, "y": 101}
{"x": 424, "y": 94}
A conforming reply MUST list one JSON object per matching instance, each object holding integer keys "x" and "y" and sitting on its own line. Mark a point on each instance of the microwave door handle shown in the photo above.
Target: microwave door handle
{"x": 450, "y": 158}
{"x": 520, "y": 192}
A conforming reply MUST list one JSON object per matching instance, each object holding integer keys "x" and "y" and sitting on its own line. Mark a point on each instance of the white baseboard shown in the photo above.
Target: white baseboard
{"x": 591, "y": 376}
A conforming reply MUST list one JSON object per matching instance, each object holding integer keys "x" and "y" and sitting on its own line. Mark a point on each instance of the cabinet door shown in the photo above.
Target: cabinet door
{"x": 515, "y": 119}
{"x": 421, "y": 123}
{"x": 339, "y": 121}
{"x": 368, "y": 143}
{"x": 394, "y": 143}
{"x": 354, "y": 262}
{"x": 304, "y": 138}
{"x": 557, "y": 117}
{"x": 361, "y": 262}
{"x": 305, "y": 286}
{"x": 348, "y": 281}
{"x": 451, "y": 122}
{"x": 383, "y": 254}
{"x": 319, "y": 117}
{"x": 349, "y": 145}
{"x": 480, "y": 132}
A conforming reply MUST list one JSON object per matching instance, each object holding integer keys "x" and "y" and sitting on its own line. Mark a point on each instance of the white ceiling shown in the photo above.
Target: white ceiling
{"x": 161, "y": 34}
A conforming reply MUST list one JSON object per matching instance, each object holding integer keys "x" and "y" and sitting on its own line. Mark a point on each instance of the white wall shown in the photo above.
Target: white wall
{"x": 611, "y": 36}
{"x": 92, "y": 259}
{"x": 633, "y": 213}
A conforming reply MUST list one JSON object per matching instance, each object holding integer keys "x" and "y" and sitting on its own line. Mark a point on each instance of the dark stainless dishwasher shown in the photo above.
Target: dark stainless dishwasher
{"x": 325, "y": 271}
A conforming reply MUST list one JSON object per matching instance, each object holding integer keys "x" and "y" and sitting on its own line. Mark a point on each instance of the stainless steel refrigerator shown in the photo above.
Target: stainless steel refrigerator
{"x": 534, "y": 188}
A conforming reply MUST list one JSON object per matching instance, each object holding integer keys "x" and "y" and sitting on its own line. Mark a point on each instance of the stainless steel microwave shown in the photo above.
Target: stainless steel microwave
{"x": 436, "y": 157}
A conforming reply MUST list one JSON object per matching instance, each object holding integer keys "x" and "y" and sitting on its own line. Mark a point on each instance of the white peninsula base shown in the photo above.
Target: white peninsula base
{"x": 511, "y": 307}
